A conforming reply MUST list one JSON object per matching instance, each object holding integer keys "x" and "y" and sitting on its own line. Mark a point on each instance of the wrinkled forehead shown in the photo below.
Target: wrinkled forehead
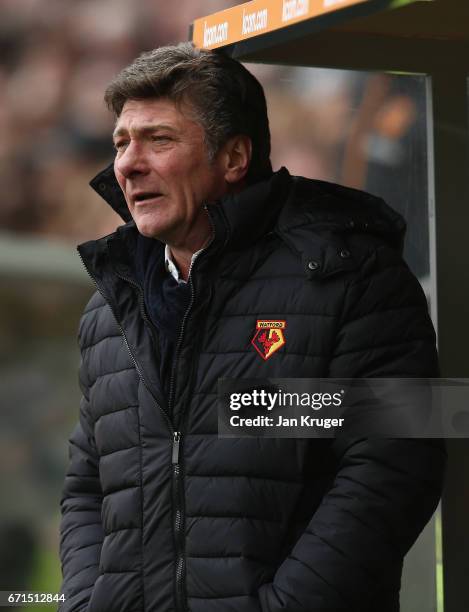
{"x": 153, "y": 113}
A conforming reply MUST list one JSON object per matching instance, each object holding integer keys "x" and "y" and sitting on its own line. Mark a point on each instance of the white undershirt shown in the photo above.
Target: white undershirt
{"x": 171, "y": 266}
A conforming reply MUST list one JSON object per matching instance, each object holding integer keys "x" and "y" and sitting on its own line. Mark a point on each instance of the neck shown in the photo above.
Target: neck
{"x": 199, "y": 236}
{"x": 182, "y": 259}
{"x": 182, "y": 254}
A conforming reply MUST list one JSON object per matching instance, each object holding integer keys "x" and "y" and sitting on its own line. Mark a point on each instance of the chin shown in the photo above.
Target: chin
{"x": 148, "y": 231}
{"x": 148, "y": 227}
{"x": 151, "y": 229}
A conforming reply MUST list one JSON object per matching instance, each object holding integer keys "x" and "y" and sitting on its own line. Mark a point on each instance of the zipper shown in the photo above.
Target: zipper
{"x": 179, "y": 518}
{"x": 178, "y": 501}
{"x": 186, "y": 316}
{"x": 179, "y": 341}
{"x": 175, "y": 453}
{"x": 178, "y": 523}
{"x": 141, "y": 304}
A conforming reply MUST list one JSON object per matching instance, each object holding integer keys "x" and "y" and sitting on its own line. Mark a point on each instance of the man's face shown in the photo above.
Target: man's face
{"x": 163, "y": 170}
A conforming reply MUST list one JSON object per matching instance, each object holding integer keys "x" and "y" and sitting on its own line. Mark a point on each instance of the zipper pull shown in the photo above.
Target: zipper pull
{"x": 176, "y": 440}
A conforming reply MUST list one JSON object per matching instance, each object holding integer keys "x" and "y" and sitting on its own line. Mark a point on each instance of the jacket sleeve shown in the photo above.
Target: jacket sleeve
{"x": 81, "y": 533}
{"x": 384, "y": 490}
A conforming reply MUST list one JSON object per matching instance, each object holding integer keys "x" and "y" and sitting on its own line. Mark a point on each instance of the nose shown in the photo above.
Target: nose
{"x": 132, "y": 161}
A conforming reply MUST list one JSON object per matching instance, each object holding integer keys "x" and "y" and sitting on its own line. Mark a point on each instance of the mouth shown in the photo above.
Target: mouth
{"x": 146, "y": 196}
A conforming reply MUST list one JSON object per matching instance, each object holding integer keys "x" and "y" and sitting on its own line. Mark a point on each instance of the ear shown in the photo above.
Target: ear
{"x": 237, "y": 153}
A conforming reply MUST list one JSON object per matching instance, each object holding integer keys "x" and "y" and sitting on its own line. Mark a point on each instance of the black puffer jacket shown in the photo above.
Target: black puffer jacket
{"x": 161, "y": 515}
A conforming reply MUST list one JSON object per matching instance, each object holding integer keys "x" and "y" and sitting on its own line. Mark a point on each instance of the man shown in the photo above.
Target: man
{"x": 159, "y": 514}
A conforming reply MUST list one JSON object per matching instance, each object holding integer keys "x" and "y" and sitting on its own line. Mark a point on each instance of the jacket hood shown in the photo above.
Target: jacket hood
{"x": 336, "y": 208}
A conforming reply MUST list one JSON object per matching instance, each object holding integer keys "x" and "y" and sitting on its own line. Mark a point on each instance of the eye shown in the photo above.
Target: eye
{"x": 161, "y": 138}
{"x": 120, "y": 144}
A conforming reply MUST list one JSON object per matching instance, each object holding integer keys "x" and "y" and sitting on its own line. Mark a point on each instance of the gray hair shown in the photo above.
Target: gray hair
{"x": 225, "y": 98}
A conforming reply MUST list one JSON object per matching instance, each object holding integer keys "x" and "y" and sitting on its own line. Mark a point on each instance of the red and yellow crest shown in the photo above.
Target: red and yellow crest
{"x": 269, "y": 337}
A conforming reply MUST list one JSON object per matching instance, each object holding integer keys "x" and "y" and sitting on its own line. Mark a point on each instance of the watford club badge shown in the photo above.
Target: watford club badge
{"x": 269, "y": 337}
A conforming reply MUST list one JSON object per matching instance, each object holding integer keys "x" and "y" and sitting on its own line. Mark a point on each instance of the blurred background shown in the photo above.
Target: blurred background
{"x": 56, "y": 57}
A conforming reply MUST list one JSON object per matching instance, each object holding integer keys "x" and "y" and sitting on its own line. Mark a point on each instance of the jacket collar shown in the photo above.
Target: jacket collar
{"x": 238, "y": 220}
{"x": 296, "y": 208}
{"x": 105, "y": 184}
{"x": 242, "y": 218}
